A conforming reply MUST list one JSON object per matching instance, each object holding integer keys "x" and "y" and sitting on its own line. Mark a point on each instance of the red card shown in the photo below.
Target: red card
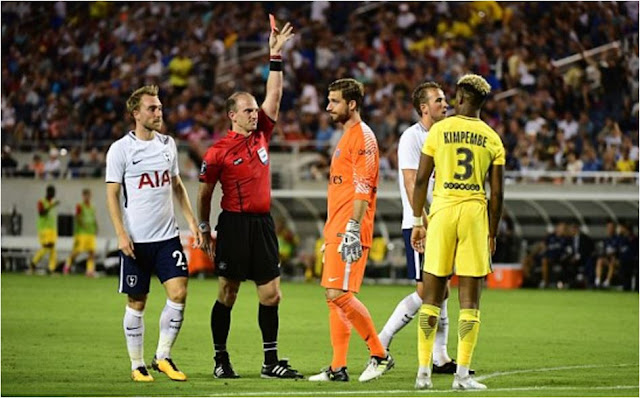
{"x": 272, "y": 20}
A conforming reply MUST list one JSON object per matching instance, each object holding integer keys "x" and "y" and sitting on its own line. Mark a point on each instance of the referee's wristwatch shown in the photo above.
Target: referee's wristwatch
{"x": 204, "y": 227}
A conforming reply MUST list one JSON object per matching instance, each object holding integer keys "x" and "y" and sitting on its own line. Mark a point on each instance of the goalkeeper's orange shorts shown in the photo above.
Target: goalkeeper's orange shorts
{"x": 336, "y": 274}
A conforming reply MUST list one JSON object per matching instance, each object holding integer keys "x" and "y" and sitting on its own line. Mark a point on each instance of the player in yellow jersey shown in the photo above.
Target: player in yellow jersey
{"x": 461, "y": 237}
{"x": 47, "y": 229}
{"x": 84, "y": 234}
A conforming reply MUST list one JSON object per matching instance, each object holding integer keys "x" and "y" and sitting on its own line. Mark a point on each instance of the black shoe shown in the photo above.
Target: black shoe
{"x": 339, "y": 374}
{"x": 329, "y": 374}
{"x": 223, "y": 369}
{"x": 449, "y": 368}
{"x": 280, "y": 370}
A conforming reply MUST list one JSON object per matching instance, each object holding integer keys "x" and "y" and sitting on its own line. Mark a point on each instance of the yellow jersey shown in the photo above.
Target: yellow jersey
{"x": 463, "y": 149}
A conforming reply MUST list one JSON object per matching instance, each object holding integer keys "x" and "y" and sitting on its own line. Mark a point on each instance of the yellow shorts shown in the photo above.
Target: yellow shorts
{"x": 48, "y": 236}
{"x": 84, "y": 243}
{"x": 458, "y": 236}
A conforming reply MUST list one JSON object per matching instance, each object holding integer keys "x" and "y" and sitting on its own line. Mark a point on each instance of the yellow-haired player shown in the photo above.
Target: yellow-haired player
{"x": 461, "y": 235}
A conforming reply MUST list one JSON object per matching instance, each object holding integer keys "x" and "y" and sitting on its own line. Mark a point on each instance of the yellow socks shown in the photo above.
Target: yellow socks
{"x": 468, "y": 329}
{"x": 427, "y": 326}
{"x": 53, "y": 263}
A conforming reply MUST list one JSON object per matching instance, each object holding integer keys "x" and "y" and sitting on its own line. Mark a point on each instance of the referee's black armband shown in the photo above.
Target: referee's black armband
{"x": 275, "y": 66}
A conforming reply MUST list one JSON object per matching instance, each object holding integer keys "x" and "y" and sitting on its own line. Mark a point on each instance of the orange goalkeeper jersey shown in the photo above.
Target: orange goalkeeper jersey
{"x": 353, "y": 175}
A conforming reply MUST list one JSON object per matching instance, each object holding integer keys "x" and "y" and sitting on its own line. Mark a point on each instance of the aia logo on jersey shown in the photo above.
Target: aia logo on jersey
{"x": 154, "y": 180}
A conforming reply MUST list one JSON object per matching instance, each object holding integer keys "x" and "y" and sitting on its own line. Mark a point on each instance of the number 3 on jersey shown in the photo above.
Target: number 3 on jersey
{"x": 180, "y": 262}
{"x": 466, "y": 161}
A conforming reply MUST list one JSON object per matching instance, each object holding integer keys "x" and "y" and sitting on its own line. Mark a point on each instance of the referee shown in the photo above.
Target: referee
{"x": 247, "y": 246}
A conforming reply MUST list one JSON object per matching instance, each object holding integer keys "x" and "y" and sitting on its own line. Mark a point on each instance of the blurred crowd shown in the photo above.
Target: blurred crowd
{"x": 68, "y": 67}
{"x": 569, "y": 258}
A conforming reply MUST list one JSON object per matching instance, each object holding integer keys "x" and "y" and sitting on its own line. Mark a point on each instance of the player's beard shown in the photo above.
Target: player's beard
{"x": 341, "y": 118}
{"x": 153, "y": 125}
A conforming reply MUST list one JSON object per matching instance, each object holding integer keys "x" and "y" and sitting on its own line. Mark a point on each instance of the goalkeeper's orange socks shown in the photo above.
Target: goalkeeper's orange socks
{"x": 361, "y": 320}
{"x": 340, "y": 330}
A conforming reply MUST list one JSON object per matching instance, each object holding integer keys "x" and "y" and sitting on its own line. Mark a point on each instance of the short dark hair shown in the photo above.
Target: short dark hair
{"x": 351, "y": 89}
{"x": 475, "y": 88}
{"x": 133, "y": 103}
{"x": 231, "y": 103}
{"x": 421, "y": 94}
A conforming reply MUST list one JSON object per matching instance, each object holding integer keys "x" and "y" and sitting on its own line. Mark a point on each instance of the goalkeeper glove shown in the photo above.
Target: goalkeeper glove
{"x": 351, "y": 247}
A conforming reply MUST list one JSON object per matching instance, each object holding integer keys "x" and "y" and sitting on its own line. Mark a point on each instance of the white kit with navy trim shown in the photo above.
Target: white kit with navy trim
{"x": 145, "y": 168}
{"x": 409, "y": 152}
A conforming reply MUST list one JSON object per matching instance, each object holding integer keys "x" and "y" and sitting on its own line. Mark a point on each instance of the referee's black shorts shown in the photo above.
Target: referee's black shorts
{"x": 247, "y": 247}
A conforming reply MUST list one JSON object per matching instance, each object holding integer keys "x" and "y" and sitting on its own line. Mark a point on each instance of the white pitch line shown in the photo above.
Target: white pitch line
{"x": 390, "y": 392}
{"x": 491, "y": 375}
{"x": 513, "y": 372}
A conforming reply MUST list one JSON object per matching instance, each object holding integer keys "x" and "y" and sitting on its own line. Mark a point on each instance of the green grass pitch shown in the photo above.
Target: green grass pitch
{"x": 62, "y": 336}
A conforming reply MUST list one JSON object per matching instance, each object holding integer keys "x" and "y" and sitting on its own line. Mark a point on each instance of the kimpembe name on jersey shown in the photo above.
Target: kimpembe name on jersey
{"x": 465, "y": 137}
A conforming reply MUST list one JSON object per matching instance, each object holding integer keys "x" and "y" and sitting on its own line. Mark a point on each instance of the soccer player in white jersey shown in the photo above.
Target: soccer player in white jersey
{"x": 142, "y": 169}
{"x": 430, "y": 103}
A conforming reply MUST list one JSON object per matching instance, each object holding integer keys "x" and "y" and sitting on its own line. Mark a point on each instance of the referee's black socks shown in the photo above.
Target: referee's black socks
{"x": 220, "y": 324}
{"x": 268, "y": 321}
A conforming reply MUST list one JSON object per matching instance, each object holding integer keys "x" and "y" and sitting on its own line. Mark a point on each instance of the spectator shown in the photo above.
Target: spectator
{"x": 569, "y": 126}
{"x": 36, "y": 167}
{"x": 75, "y": 166}
{"x": 95, "y": 165}
{"x": 557, "y": 251}
{"x": 628, "y": 256}
{"x": 9, "y": 163}
{"x": 53, "y": 166}
{"x": 608, "y": 257}
{"x": 180, "y": 68}
{"x": 581, "y": 263}
{"x": 590, "y": 162}
{"x": 625, "y": 163}
{"x": 574, "y": 166}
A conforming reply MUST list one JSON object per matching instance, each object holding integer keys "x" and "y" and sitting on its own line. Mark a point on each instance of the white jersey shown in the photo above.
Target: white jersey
{"x": 409, "y": 151}
{"x": 145, "y": 169}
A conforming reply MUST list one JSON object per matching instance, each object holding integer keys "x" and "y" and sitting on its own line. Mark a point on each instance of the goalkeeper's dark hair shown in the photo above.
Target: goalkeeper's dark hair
{"x": 421, "y": 95}
{"x": 475, "y": 89}
{"x": 351, "y": 89}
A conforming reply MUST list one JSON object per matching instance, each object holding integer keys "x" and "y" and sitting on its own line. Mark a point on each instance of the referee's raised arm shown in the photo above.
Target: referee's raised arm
{"x": 278, "y": 37}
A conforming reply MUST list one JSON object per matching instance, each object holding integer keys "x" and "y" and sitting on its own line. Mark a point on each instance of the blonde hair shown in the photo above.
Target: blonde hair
{"x": 476, "y": 87}
{"x": 133, "y": 103}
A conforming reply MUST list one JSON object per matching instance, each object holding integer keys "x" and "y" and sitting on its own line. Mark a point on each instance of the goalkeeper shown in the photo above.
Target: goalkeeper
{"x": 351, "y": 202}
